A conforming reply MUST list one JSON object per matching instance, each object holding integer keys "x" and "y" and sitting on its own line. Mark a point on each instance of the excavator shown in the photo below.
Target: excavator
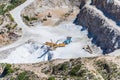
{"x": 52, "y": 46}
{"x": 56, "y": 44}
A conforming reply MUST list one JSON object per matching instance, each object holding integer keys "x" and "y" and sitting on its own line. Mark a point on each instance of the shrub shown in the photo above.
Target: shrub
{"x": 21, "y": 76}
{"x": 27, "y": 75}
{"x": 108, "y": 70}
{"x": 26, "y": 18}
{"x": 63, "y": 67}
{"x": 29, "y": 19}
{"x": 8, "y": 27}
{"x": 33, "y": 18}
{"x": 81, "y": 73}
{"x": 10, "y": 16}
{"x": 2, "y": 9}
{"x": 51, "y": 78}
{"x": 17, "y": 2}
{"x": 7, "y": 70}
{"x": 12, "y": 78}
{"x": 75, "y": 70}
{"x": 13, "y": 4}
{"x": 65, "y": 78}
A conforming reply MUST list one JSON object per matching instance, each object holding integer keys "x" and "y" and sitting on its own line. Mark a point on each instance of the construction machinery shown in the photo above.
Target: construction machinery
{"x": 49, "y": 15}
{"x": 56, "y": 44}
{"x": 45, "y": 18}
{"x": 68, "y": 40}
{"x": 50, "y": 46}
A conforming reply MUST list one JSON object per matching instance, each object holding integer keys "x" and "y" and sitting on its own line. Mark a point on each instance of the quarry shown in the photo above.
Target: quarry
{"x": 60, "y": 39}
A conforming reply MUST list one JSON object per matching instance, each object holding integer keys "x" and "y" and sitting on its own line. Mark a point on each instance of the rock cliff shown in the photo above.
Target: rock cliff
{"x": 111, "y": 8}
{"x": 101, "y": 28}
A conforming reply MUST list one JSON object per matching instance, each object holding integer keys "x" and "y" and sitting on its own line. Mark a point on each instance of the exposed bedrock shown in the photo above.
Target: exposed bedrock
{"x": 105, "y": 32}
{"x": 111, "y": 8}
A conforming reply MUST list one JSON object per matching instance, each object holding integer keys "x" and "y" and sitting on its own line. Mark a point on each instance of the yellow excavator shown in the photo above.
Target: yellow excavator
{"x": 56, "y": 44}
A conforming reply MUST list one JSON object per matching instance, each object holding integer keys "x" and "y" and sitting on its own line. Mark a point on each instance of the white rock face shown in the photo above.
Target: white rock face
{"x": 102, "y": 29}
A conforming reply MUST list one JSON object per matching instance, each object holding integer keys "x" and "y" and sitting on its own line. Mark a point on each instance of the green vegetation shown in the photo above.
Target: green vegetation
{"x": 2, "y": 65}
{"x": 12, "y": 73}
{"x": 29, "y": 19}
{"x": 2, "y": 11}
{"x": 33, "y": 18}
{"x": 73, "y": 70}
{"x": 22, "y": 76}
{"x": 17, "y": 2}
{"x": 14, "y": 26}
{"x": 10, "y": 16}
{"x": 8, "y": 27}
{"x": 65, "y": 78}
{"x": 13, "y": 4}
{"x": 7, "y": 70}
{"x": 63, "y": 67}
{"x": 27, "y": 75}
{"x": 12, "y": 78}
{"x": 51, "y": 78}
{"x": 1, "y": 21}
{"x": 26, "y": 18}
{"x": 108, "y": 70}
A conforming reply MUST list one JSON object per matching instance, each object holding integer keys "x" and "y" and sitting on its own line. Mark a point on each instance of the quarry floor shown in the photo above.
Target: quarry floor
{"x": 24, "y": 52}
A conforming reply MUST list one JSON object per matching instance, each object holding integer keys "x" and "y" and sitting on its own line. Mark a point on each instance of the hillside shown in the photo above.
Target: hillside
{"x": 9, "y": 31}
{"x": 96, "y": 68}
{"x": 60, "y": 40}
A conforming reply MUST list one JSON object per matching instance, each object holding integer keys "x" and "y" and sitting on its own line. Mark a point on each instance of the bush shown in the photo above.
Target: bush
{"x": 65, "y": 78}
{"x": 33, "y": 18}
{"x": 63, "y": 67}
{"x": 81, "y": 73}
{"x": 75, "y": 70}
{"x": 1, "y": 9}
{"x": 17, "y": 2}
{"x": 8, "y": 27}
{"x": 27, "y": 75}
{"x": 26, "y": 18}
{"x": 12, "y": 78}
{"x": 51, "y": 78}
{"x": 7, "y": 70}
{"x": 13, "y": 4}
{"x": 29, "y": 19}
{"x": 10, "y": 16}
{"x": 108, "y": 70}
{"x": 21, "y": 76}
